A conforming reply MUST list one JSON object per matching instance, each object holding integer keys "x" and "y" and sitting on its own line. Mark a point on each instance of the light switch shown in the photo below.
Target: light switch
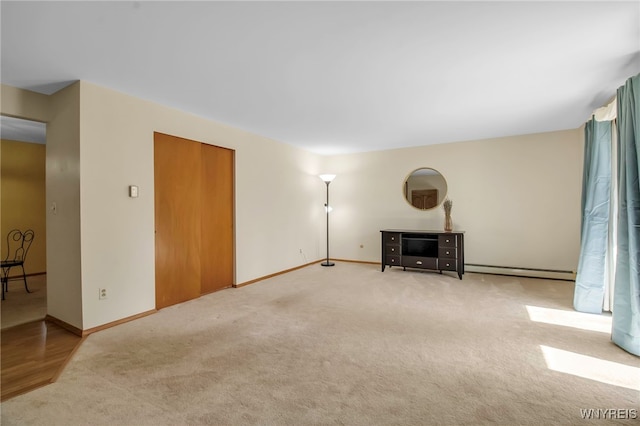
{"x": 133, "y": 191}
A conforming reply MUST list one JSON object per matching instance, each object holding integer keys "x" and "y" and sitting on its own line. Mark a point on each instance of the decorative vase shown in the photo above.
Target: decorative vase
{"x": 448, "y": 223}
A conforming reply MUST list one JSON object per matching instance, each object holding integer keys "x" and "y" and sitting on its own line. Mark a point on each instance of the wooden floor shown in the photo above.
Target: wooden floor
{"x": 33, "y": 354}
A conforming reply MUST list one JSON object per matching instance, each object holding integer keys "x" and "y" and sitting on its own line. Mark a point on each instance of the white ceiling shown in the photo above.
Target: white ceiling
{"x": 338, "y": 77}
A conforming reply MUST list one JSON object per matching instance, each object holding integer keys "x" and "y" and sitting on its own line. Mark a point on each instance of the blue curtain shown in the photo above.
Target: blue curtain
{"x": 626, "y": 298}
{"x": 596, "y": 191}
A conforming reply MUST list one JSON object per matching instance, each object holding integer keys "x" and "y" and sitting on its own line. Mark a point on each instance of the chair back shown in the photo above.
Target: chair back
{"x": 18, "y": 244}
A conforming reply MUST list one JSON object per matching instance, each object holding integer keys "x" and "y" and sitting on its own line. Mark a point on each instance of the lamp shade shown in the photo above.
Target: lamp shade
{"x": 327, "y": 178}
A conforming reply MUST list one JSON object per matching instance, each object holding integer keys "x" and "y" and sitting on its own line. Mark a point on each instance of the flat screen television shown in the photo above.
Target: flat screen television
{"x": 419, "y": 245}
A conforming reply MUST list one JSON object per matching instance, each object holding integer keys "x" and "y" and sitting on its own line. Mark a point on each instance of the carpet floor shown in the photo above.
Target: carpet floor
{"x": 350, "y": 345}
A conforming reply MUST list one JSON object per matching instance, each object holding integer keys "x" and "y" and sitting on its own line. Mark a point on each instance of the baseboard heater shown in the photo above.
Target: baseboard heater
{"x": 521, "y": 272}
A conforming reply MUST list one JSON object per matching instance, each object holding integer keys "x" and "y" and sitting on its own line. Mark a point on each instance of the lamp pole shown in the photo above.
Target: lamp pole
{"x": 327, "y": 179}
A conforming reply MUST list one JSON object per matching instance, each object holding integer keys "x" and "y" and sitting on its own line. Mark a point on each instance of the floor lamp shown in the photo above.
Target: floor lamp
{"x": 327, "y": 179}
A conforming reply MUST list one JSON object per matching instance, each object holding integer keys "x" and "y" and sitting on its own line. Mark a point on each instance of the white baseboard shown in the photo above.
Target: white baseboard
{"x": 521, "y": 272}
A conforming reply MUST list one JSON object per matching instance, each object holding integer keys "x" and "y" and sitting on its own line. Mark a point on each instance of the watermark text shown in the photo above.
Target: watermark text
{"x": 609, "y": 413}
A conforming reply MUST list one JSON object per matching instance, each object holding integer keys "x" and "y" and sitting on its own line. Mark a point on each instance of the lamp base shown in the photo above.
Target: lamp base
{"x": 327, "y": 263}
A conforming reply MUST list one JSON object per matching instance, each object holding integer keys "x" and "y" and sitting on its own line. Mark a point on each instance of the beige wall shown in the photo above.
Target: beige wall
{"x": 25, "y": 104}
{"x": 275, "y": 191}
{"x": 23, "y": 198}
{"x": 516, "y": 198}
{"x": 64, "y": 283}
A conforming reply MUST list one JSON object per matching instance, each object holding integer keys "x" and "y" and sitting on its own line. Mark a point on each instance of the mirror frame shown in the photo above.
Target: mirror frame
{"x": 441, "y": 195}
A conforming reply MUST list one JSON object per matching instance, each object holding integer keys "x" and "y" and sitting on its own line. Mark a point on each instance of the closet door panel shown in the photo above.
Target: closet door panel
{"x": 217, "y": 238}
{"x": 178, "y": 193}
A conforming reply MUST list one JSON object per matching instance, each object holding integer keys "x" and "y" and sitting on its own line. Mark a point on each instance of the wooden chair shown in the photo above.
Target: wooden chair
{"x": 18, "y": 244}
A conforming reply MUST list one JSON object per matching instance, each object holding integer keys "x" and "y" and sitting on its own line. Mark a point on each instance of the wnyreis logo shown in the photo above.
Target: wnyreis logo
{"x": 609, "y": 413}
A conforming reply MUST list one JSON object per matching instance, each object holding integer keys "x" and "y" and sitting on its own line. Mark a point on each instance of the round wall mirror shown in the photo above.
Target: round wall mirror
{"x": 425, "y": 188}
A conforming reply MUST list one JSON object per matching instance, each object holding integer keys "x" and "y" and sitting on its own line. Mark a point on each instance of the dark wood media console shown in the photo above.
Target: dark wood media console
{"x": 434, "y": 250}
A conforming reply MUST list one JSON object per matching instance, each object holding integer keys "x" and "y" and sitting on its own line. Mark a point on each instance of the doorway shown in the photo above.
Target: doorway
{"x": 23, "y": 201}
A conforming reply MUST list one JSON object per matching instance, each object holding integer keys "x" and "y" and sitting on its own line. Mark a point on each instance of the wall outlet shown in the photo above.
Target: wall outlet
{"x": 103, "y": 294}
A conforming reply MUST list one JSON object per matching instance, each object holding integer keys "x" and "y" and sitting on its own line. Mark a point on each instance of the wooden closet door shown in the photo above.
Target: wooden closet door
{"x": 177, "y": 174}
{"x": 217, "y": 218}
